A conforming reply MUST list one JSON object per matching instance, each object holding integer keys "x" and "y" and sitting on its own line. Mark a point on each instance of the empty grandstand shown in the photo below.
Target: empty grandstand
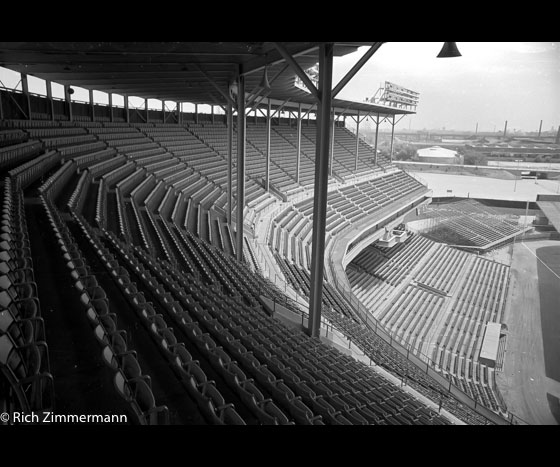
{"x": 166, "y": 271}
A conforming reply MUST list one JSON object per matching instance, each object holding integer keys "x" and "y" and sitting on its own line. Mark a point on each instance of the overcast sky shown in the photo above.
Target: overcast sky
{"x": 492, "y": 82}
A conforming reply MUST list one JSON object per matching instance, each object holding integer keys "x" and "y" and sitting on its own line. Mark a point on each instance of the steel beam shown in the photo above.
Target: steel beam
{"x": 359, "y": 64}
{"x": 376, "y": 135}
{"x": 298, "y": 153}
{"x": 320, "y": 187}
{"x": 299, "y": 71}
{"x": 25, "y": 87}
{"x": 126, "y": 110}
{"x": 229, "y": 116}
{"x": 241, "y": 121}
{"x": 111, "y": 106}
{"x": 279, "y": 109}
{"x": 92, "y": 105}
{"x": 267, "y": 166}
{"x": 50, "y": 98}
{"x": 357, "y": 141}
{"x": 331, "y": 143}
{"x": 259, "y": 93}
{"x": 392, "y": 138}
{"x": 225, "y": 94}
{"x": 68, "y": 99}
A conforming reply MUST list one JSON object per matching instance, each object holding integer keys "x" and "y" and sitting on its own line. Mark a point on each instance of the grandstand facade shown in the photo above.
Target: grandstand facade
{"x": 118, "y": 233}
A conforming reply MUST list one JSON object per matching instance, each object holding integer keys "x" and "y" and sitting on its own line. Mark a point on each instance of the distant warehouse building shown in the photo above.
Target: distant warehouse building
{"x": 438, "y": 155}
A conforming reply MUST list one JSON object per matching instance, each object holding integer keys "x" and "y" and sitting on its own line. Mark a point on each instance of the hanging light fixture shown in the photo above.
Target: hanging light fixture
{"x": 448, "y": 50}
{"x": 264, "y": 84}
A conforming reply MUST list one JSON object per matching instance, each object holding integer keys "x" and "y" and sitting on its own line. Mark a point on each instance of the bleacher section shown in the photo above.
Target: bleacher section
{"x": 469, "y": 223}
{"x": 341, "y": 314}
{"x": 136, "y": 264}
{"x": 26, "y": 381}
{"x": 291, "y": 232}
{"x": 436, "y": 300}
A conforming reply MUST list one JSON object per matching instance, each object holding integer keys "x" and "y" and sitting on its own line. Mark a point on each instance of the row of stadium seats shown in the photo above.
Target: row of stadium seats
{"x": 208, "y": 398}
{"x": 382, "y": 354}
{"x": 13, "y": 155}
{"x": 24, "y": 353}
{"x": 341, "y": 315}
{"x": 291, "y": 230}
{"x": 194, "y": 237}
{"x": 468, "y": 222}
{"x": 12, "y": 137}
{"x": 374, "y": 276}
{"x": 233, "y": 326}
{"x": 130, "y": 382}
{"x": 470, "y": 287}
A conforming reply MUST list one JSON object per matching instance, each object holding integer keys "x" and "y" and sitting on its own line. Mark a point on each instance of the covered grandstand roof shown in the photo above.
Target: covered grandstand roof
{"x": 197, "y": 72}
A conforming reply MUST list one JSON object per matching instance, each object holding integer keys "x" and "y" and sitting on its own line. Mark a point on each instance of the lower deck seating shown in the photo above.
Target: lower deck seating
{"x": 25, "y": 380}
{"x": 438, "y": 309}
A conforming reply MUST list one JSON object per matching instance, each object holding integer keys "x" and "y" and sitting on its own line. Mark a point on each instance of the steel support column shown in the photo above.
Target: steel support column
{"x": 147, "y": 110}
{"x": 376, "y": 136}
{"x": 68, "y": 99}
{"x": 357, "y": 141}
{"x": 50, "y": 98}
{"x": 111, "y": 107}
{"x": 229, "y": 116}
{"x": 333, "y": 119}
{"x": 163, "y": 111}
{"x": 298, "y": 153}
{"x": 267, "y": 166}
{"x": 392, "y": 138}
{"x": 241, "y": 121}
{"x": 25, "y": 87}
{"x": 126, "y": 112}
{"x": 320, "y": 187}
{"x": 91, "y": 105}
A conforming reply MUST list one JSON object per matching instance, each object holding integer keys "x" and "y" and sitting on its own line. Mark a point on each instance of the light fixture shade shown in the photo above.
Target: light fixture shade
{"x": 70, "y": 91}
{"x": 448, "y": 50}
{"x": 264, "y": 84}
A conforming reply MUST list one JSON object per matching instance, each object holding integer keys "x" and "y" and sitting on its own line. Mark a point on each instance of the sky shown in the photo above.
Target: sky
{"x": 490, "y": 83}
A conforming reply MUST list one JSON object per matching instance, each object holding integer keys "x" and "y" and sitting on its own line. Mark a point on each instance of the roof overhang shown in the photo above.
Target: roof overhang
{"x": 196, "y": 72}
